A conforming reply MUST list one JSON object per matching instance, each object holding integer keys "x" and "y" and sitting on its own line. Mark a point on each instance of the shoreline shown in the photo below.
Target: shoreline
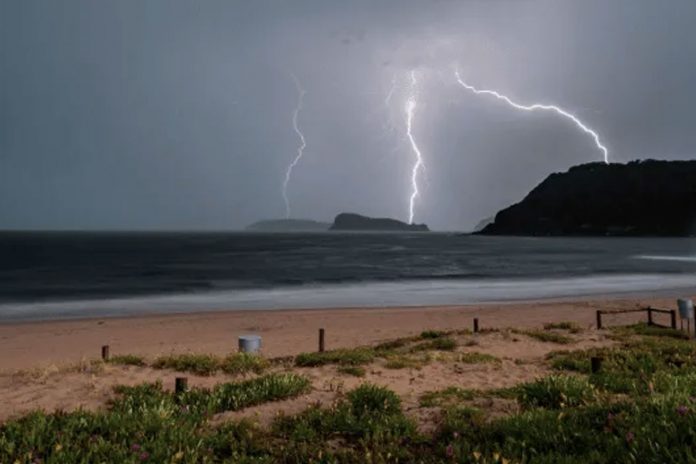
{"x": 374, "y": 295}
{"x": 603, "y": 297}
{"x": 27, "y": 345}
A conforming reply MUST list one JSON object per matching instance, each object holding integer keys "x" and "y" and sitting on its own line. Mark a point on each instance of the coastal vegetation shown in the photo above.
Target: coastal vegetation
{"x": 639, "y": 406}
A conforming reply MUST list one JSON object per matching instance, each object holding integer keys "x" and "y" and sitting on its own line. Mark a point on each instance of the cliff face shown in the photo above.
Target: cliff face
{"x": 641, "y": 198}
{"x": 350, "y": 221}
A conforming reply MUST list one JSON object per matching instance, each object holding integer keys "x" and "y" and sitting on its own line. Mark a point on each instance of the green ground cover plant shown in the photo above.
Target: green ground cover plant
{"x": 639, "y": 407}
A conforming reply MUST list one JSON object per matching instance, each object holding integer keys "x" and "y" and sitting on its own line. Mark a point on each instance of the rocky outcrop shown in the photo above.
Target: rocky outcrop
{"x": 350, "y": 221}
{"x": 641, "y": 198}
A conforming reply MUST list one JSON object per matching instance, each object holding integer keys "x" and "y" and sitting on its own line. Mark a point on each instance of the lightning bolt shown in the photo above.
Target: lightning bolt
{"x": 390, "y": 93}
{"x": 541, "y": 107}
{"x": 410, "y": 112}
{"x": 300, "y": 149}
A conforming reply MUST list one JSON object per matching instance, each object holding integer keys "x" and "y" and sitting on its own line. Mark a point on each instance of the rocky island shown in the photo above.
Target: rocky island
{"x": 351, "y": 221}
{"x": 641, "y": 198}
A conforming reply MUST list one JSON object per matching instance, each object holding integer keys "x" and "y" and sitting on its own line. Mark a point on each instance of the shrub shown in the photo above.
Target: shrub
{"x": 369, "y": 399}
{"x": 556, "y": 391}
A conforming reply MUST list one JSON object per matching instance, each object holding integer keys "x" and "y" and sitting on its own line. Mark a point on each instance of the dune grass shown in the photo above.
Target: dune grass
{"x": 128, "y": 360}
{"x": 355, "y": 371}
{"x": 206, "y": 364}
{"x": 476, "y": 358}
{"x": 571, "y": 327}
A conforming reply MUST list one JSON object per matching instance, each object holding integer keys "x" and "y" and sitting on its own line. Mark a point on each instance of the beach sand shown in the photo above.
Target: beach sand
{"x": 47, "y": 364}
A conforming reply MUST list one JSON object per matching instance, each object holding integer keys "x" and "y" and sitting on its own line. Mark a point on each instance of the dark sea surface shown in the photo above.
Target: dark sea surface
{"x": 67, "y": 274}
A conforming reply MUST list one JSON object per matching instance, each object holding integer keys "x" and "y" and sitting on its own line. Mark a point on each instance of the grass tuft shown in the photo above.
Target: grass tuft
{"x": 242, "y": 363}
{"x": 355, "y": 371}
{"x": 439, "y": 344}
{"x": 401, "y": 361}
{"x": 555, "y": 392}
{"x": 127, "y": 360}
{"x": 571, "y": 327}
{"x": 477, "y": 358}
{"x": 199, "y": 364}
{"x": 430, "y": 334}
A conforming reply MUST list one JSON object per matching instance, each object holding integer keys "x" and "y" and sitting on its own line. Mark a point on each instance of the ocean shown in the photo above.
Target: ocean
{"x": 60, "y": 275}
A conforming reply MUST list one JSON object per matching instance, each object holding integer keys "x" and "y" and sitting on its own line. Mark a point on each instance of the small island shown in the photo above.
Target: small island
{"x": 356, "y": 222}
{"x": 641, "y": 198}
{"x": 288, "y": 225}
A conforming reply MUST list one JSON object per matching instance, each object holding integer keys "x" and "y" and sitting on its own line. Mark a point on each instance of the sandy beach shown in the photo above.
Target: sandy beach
{"x": 51, "y": 365}
{"x": 284, "y": 332}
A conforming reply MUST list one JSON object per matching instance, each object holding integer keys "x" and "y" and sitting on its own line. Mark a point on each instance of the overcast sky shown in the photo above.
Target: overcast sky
{"x": 178, "y": 114}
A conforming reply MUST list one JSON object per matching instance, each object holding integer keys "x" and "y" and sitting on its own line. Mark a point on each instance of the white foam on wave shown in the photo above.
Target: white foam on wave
{"x": 375, "y": 294}
{"x": 689, "y": 259}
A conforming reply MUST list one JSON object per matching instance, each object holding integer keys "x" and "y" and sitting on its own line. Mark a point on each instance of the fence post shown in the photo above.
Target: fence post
{"x": 476, "y": 325}
{"x": 105, "y": 353}
{"x": 650, "y": 319}
{"x": 596, "y": 364}
{"x": 321, "y": 340}
{"x": 673, "y": 314}
{"x": 599, "y": 319}
{"x": 180, "y": 385}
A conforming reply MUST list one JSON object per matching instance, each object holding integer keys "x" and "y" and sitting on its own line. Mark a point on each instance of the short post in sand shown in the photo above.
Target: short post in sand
{"x": 599, "y": 319}
{"x": 180, "y": 385}
{"x": 105, "y": 353}
{"x": 476, "y": 325}
{"x": 321, "y": 341}
{"x": 596, "y": 364}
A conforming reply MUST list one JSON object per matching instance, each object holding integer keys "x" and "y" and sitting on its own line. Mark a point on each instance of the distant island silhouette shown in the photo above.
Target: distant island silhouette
{"x": 641, "y": 198}
{"x": 352, "y": 221}
{"x": 288, "y": 225}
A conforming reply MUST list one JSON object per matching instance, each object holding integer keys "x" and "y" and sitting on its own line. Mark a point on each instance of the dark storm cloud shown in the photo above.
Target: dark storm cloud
{"x": 176, "y": 114}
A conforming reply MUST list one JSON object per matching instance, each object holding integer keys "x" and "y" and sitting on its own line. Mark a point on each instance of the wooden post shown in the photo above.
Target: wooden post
{"x": 321, "y": 340}
{"x": 599, "y": 319}
{"x": 180, "y": 385}
{"x": 476, "y": 325}
{"x": 673, "y": 315}
{"x": 650, "y": 319}
{"x": 596, "y": 364}
{"x": 105, "y": 353}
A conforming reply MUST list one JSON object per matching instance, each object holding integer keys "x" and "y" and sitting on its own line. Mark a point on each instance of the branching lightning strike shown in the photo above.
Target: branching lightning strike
{"x": 300, "y": 149}
{"x": 538, "y": 106}
{"x": 410, "y": 111}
